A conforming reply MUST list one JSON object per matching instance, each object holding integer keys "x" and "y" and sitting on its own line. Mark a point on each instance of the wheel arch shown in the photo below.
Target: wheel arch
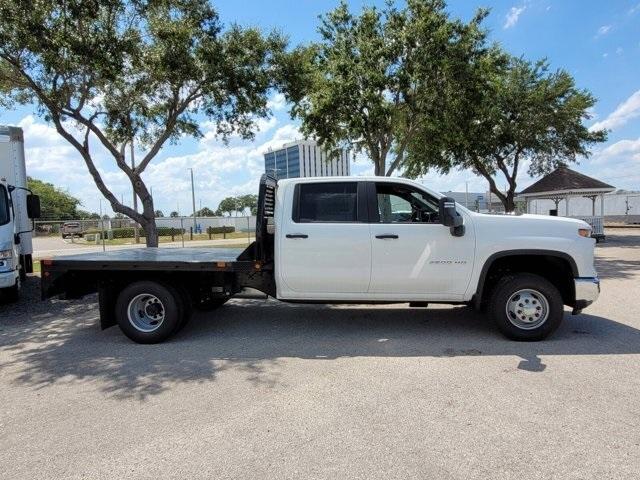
{"x": 539, "y": 261}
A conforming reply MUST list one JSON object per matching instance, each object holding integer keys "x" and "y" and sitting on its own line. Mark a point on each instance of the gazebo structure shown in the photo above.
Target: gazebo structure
{"x": 561, "y": 185}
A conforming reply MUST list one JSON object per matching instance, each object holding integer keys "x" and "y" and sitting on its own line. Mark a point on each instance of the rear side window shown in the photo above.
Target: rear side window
{"x": 327, "y": 202}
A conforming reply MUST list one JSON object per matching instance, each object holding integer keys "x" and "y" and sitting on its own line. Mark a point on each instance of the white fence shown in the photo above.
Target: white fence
{"x": 240, "y": 224}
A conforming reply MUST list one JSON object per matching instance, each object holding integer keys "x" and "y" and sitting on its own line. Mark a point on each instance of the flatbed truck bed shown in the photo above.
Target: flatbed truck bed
{"x": 151, "y": 259}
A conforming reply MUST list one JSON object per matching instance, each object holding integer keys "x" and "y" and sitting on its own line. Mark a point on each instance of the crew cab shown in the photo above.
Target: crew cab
{"x": 351, "y": 240}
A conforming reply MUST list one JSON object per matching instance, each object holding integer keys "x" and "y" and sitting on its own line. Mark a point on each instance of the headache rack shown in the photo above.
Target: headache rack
{"x": 262, "y": 249}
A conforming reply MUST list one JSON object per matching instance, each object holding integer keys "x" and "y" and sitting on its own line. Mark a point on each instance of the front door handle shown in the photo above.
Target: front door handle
{"x": 387, "y": 235}
{"x": 297, "y": 235}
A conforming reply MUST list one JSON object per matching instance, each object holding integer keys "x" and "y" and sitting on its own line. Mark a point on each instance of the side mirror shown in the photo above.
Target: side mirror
{"x": 33, "y": 206}
{"x": 450, "y": 217}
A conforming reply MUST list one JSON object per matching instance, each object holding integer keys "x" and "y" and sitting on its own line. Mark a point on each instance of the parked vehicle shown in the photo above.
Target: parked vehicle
{"x": 17, "y": 207}
{"x": 353, "y": 240}
{"x": 71, "y": 229}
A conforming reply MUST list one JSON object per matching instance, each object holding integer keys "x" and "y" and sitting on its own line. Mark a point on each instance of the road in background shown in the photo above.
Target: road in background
{"x": 260, "y": 390}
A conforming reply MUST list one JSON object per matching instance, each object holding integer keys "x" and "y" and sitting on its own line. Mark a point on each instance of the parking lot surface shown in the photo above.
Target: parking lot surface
{"x": 261, "y": 390}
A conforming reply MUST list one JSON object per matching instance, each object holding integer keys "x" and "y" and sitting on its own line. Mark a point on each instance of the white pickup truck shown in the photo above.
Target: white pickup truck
{"x": 351, "y": 240}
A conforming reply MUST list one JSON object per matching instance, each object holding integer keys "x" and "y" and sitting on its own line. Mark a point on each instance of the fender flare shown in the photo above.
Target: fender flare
{"x": 511, "y": 253}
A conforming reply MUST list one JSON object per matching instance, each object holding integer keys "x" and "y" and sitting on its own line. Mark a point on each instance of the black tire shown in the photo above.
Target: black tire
{"x": 208, "y": 304}
{"x": 539, "y": 294}
{"x": 170, "y": 303}
{"x": 187, "y": 307}
{"x": 11, "y": 294}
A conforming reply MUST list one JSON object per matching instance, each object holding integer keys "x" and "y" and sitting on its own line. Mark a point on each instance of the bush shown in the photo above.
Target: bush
{"x": 215, "y": 230}
{"x": 128, "y": 232}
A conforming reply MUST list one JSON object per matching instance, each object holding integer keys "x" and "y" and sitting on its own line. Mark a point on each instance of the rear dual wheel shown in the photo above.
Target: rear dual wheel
{"x": 150, "y": 312}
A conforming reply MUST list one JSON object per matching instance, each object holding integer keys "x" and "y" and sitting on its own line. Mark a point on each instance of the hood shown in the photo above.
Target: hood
{"x": 543, "y": 225}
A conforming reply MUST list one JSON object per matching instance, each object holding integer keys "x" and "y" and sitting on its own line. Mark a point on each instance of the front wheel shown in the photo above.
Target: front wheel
{"x": 526, "y": 307}
{"x": 11, "y": 294}
{"x": 149, "y": 312}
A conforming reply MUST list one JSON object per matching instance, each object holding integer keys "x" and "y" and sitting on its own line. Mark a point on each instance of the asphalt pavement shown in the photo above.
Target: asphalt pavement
{"x": 261, "y": 390}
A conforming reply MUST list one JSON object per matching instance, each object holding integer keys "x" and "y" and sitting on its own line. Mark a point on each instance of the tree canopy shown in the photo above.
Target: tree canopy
{"x": 508, "y": 114}
{"x": 205, "y": 212}
{"x": 109, "y": 73}
{"x": 375, "y": 78}
{"x": 229, "y": 205}
{"x": 56, "y": 204}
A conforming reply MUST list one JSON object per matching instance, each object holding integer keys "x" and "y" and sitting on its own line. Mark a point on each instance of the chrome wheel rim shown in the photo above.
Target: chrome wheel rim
{"x": 146, "y": 312}
{"x": 527, "y": 309}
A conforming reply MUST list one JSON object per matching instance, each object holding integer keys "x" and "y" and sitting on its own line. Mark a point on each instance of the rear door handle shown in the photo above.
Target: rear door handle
{"x": 297, "y": 235}
{"x": 387, "y": 235}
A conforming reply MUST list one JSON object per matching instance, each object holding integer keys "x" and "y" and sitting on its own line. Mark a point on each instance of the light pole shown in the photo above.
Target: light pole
{"x": 193, "y": 199}
{"x": 466, "y": 194}
{"x": 136, "y": 233}
{"x": 102, "y": 227}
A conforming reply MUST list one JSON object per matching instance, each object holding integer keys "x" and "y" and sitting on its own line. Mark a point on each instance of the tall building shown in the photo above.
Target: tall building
{"x": 304, "y": 158}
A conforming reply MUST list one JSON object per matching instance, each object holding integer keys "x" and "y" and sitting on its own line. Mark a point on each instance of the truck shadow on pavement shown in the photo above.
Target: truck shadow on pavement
{"x": 60, "y": 343}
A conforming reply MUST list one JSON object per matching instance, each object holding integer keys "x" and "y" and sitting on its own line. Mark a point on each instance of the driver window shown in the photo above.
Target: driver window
{"x": 399, "y": 203}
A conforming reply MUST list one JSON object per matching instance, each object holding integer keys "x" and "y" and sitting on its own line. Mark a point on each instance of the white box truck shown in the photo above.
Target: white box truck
{"x": 17, "y": 207}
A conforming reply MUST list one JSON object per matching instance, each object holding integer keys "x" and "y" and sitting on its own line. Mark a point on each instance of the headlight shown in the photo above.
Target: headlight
{"x": 6, "y": 260}
{"x": 584, "y": 232}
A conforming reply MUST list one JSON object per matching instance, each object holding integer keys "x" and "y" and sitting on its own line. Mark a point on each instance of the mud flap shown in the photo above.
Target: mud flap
{"x": 107, "y": 305}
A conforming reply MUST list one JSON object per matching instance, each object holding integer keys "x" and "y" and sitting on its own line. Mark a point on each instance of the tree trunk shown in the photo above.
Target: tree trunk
{"x": 150, "y": 232}
{"x": 509, "y": 202}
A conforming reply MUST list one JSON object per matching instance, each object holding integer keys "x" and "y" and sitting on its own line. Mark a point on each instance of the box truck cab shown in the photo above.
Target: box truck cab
{"x": 17, "y": 207}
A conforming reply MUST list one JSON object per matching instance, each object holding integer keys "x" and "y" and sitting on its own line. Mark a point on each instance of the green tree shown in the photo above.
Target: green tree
{"x": 113, "y": 72}
{"x": 83, "y": 215}
{"x": 229, "y": 205}
{"x": 374, "y": 79}
{"x": 159, "y": 214}
{"x": 249, "y": 202}
{"x": 205, "y": 212}
{"x": 174, "y": 214}
{"x": 55, "y": 202}
{"x": 508, "y": 113}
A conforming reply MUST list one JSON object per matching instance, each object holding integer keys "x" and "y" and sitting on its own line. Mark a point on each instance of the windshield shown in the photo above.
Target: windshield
{"x": 4, "y": 206}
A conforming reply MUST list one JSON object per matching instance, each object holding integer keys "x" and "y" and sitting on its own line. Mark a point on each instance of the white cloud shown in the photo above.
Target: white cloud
{"x": 617, "y": 164}
{"x": 626, "y": 111}
{"x": 277, "y": 102}
{"x": 513, "y": 16}
{"x": 629, "y": 149}
{"x": 634, "y": 9}
{"x": 603, "y": 30}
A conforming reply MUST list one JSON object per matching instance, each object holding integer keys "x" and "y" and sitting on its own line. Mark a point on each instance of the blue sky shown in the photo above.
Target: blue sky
{"x": 596, "y": 41}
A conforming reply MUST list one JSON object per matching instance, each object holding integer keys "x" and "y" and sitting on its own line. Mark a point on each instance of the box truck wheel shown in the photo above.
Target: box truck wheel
{"x": 149, "y": 312}
{"x": 526, "y": 307}
{"x": 11, "y": 294}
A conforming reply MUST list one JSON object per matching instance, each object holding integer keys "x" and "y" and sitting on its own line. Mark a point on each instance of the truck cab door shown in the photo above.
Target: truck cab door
{"x": 414, "y": 256}
{"x": 323, "y": 241}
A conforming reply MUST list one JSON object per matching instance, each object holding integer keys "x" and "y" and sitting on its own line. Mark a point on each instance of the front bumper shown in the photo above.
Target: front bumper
{"x": 8, "y": 279}
{"x": 587, "y": 291}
